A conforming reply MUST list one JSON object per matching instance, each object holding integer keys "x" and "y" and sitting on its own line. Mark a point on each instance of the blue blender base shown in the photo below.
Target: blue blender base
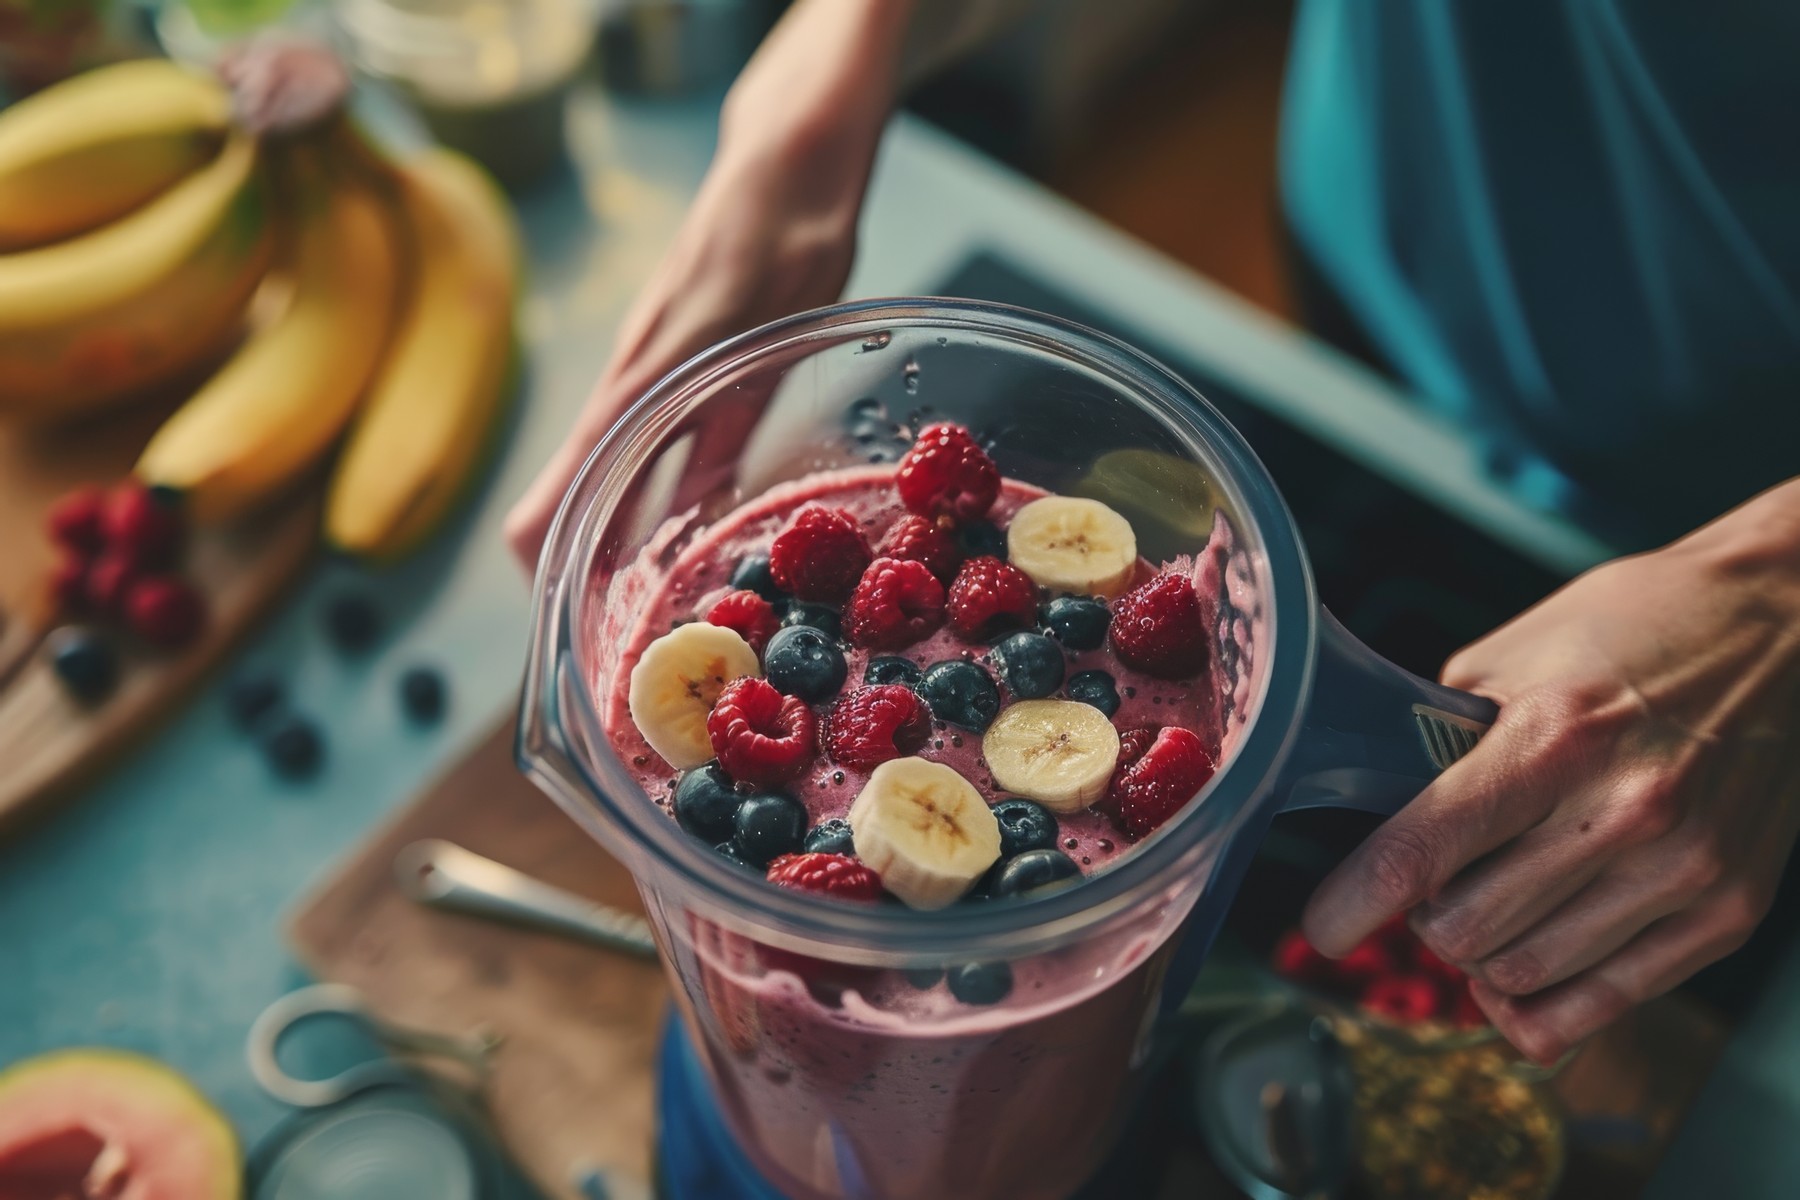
{"x": 696, "y": 1158}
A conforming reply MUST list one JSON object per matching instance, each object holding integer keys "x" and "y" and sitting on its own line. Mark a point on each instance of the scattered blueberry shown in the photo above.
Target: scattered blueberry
{"x": 706, "y": 804}
{"x": 981, "y": 983}
{"x": 252, "y": 696}
{"x": 1024, "y": 825}
{"x": 962, "y": 694}
{"x": 982, "y": 537}
{"x": 817, "y": 616}
{"x": 1095, "y": 688}
{"x": 923, "y": 977}
{"x": 769, "y": 824}
{"x": 422, "y": 694}
{"x": 1033, "y": 870}
{"x": 1077, "y": 622}
{"x": 167, "y": 497}
{"x": 752, "y": 574}
{"x": 830, "y": 837}
{"x": 805, "y": 662}
{"x": 352, "y": 622}
{"x": 890, "y": 669}
{"x": 85, "y": 663}
{"x": 729, "y": 850}
{"x": 293, "y": 747}
{"x": 1030, "y": 665}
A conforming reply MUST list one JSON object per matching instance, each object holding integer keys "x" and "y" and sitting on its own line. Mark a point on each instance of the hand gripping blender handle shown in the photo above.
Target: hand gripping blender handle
{"x": 1375, "y": 735}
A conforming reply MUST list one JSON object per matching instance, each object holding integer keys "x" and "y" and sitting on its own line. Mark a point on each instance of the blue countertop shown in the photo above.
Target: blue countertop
{"x": 146, "y": 912}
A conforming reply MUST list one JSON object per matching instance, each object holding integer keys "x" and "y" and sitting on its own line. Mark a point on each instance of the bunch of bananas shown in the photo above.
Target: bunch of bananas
{"x": 332, "y": 301}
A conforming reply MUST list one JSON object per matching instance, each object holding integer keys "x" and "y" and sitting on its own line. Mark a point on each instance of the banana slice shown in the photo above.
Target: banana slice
{"x": 925, "y": 830}
{"x": 675, "y": 683}
{"x": 1069, "y": 544}
{"x": 1056, "y": 752}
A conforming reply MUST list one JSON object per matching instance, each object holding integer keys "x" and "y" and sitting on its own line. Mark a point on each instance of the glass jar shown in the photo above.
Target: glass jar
{"x": 489, "y": 77}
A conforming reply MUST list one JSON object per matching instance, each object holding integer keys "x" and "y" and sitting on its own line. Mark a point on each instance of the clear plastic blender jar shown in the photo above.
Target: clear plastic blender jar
{"x": 833, "y": 1072}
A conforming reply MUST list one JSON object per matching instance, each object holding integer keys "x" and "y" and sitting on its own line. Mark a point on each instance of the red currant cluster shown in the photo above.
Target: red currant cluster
{"x": 1391, "y": 974}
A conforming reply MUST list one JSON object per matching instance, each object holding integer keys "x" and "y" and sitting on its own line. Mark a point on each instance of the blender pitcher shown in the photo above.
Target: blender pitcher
{"x": 817, "y": 1055}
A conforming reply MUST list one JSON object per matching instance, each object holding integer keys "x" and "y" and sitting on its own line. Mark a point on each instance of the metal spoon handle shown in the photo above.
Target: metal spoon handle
{"x": 444, "y": 875}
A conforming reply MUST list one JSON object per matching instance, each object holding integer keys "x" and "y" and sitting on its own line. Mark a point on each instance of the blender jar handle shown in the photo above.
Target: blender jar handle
{"x": 1375, "y": 734}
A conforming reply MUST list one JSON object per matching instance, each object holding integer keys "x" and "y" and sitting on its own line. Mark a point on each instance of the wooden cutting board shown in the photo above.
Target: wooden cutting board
{"x": 49, "y": 742}
{"x": 573, "y": 1081}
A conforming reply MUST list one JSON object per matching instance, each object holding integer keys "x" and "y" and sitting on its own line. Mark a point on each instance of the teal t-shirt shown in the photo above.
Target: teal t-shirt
{"x": 1573, "y": 226}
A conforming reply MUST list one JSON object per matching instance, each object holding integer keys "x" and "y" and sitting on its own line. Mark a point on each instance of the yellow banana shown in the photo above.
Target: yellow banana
{"x": 97, "y": 146}
{"x": 89, "y": 321}
{"x": 434, "y": 403}
{"x": 278, "y": 405}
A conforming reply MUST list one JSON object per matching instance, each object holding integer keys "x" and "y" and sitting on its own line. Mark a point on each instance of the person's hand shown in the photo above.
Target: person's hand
{"x": 1627, "y": 819}
{"x": 771, "y": 231}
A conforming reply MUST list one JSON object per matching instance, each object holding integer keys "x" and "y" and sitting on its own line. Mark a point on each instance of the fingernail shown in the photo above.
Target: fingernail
{"x": 1518, "y": 973}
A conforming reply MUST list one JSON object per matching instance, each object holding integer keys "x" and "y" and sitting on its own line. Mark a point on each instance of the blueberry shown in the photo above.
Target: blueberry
{"x": 705, "y": 803}
{"x": 923, "y": 977}
{"x": 1095, "y": 688}
{"x": 890, "y": 669}
{"x": 982, "y": 537}
{"x": 1024, "y": 826}
{"x": 1030, "y": 665}
{"x": 84, "y": 662}
{"x": 981, "y": 983}
{"x": 805, "y": 662}
{"x": 1032, "y": 871}
{"x": 422, "y": 694}
{"x": 961, "y": 693}
{"x": 293, "y": 747}
{"x": 730, "y": 852}
{"x": 830, "y": 837}
{"x": 817, "y": 616}
{"x": 752, "y": 574}
{"x": 769, "y": 824}
{"x": 1077, "y": 622}
{"x": 251, "y": 697}
{"x": 351, "y": 622}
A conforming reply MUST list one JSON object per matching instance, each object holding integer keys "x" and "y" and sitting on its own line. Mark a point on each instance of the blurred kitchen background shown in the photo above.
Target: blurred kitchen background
{"x": 1157, "y": 117}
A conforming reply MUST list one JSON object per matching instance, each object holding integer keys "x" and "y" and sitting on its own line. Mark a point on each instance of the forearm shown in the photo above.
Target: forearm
{"x": 823, "y": 82}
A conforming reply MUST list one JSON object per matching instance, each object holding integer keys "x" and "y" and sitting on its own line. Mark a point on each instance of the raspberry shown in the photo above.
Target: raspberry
{"x": 164, "y": 611}
{"x": 896, "y": 604}
{"x": 69, "y": 584}
{"x": 1369, "y": 961}
{"x": 829, "y": 874}
{"x": 870, "y": 725}
{"x": 1132, "y": 745}
{"x": 1158, "y": 627}
{"x": 136, "y": 523}
{"x": 989, "y": 594}
{"x": 108, "y": 579}
{"x": 918, "y": 540}
{"x": 761, "y": 736}
{"x": 75, "y": 522}
{"x": 820, "y": 555}
{"x": 749, "y": 614}
{"x": 1295, "y": 959}
{"x": 1161, "y": 779}
{"x": 946, "y": 474}
{"x": 1403, "y": 998}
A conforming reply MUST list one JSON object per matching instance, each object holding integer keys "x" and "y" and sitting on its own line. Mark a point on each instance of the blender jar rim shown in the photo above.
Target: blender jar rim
{"x": 1150, "y": 870}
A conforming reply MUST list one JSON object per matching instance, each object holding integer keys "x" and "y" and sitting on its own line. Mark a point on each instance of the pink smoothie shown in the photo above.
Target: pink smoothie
{"x": 842, "y": 1080}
